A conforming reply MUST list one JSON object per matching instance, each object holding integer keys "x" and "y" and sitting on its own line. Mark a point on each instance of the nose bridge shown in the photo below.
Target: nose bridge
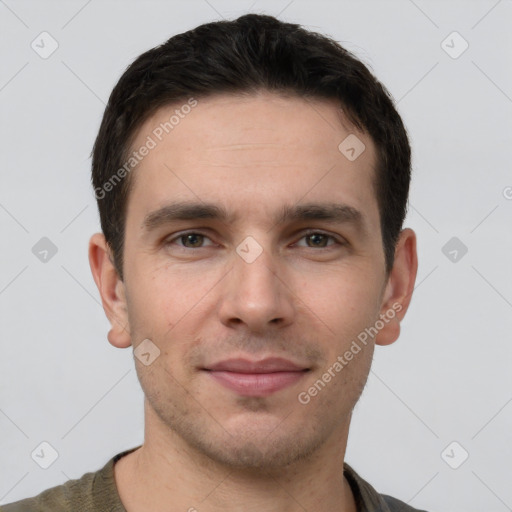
{"x": 255, "y": 269}
{"x": 256, "y": 294}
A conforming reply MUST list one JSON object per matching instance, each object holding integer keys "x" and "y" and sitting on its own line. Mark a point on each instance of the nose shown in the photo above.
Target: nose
{"x": 257, "y": 294}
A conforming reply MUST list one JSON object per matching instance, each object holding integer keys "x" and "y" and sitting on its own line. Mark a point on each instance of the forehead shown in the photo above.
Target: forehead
{"x": 252, "y": 155}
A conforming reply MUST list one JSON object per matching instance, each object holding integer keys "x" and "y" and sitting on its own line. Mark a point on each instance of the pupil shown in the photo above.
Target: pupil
{"x": 316, "y": 237}
{"x": 190, "y": 238}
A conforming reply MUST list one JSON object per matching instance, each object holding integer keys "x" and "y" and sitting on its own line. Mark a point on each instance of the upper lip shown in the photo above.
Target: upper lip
{"x": 268, "y": 365}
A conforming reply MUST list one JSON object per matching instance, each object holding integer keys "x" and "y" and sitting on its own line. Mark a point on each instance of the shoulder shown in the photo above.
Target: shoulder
{"x": 92, "y": 492}
{"x": 369, "y": 500}
{"x": 72, "y": 495}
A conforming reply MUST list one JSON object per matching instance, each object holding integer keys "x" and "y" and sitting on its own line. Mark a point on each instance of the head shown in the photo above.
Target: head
{"x": 234, "y": 137}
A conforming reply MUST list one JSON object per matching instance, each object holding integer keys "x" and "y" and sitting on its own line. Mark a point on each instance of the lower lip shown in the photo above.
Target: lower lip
{"x": 256, "y": 384}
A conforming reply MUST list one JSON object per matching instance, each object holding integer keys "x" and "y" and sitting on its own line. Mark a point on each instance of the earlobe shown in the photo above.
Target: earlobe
{"x": 399, "y": 288}
{"x": 112, "y": 290}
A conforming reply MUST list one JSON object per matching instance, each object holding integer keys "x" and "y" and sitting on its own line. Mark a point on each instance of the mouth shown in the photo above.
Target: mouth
{"x": 256, "y": 378}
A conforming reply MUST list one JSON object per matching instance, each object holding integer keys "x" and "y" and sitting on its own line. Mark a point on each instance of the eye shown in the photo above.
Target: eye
{"x": 319, "y": 239}
{"x": 195, "y": 240}
{"x": 191, "y": 240}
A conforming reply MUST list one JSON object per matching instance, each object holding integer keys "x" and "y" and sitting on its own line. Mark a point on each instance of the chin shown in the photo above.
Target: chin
{"x": 252, "y": 455}
{"x": 259, "y": 445}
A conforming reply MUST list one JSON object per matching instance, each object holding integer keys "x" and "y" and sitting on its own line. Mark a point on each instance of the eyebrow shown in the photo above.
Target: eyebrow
{"x": 185, "y": 210}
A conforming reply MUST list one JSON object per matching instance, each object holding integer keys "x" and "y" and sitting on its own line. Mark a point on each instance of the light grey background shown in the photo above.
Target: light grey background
{"x": 446, "y": 379}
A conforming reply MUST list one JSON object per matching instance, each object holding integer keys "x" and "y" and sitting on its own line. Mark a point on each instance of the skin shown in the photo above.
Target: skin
{"x": 304, "y": 298}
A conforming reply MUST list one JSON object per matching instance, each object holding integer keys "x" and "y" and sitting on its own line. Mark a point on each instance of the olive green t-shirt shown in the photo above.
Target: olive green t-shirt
{"x": 97, "y": 492}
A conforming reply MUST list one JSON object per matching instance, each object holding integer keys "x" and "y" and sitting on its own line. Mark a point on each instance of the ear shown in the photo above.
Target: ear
{"x": 400, "y": 285}
{"x": 112, "y": 290}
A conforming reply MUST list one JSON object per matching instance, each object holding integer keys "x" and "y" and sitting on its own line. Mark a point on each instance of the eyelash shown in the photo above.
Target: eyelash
{"x": 306, "y": 234}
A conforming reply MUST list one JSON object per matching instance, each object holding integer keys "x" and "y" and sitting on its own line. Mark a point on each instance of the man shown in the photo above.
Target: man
{"x": 252, "y": 180}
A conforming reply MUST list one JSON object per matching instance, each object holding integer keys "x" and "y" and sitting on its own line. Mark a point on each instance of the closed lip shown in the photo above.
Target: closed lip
{"x": 252, "y": 378}
{"x": 268, "y": 365}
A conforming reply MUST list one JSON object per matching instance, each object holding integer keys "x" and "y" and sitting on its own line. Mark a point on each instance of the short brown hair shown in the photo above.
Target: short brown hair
{"x": 248, "y": 54}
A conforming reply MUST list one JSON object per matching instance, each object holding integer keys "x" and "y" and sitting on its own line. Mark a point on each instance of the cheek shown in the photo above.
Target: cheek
{"x": 355, "y": 366}
{"x": 162, "y": 297}
{"x": 168, "y": 308}
{"x": 338, "y": 386}
{"x": 343, "y": 301}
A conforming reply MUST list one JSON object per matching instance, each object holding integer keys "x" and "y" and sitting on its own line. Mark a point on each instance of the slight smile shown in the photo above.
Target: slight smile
{"x": 256, "y": 378}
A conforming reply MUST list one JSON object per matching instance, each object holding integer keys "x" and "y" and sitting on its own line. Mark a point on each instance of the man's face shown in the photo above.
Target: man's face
{"x": 299, "y": 289}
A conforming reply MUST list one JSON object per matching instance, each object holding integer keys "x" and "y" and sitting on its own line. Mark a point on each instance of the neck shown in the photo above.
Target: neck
{"x": 166, "y": 471}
